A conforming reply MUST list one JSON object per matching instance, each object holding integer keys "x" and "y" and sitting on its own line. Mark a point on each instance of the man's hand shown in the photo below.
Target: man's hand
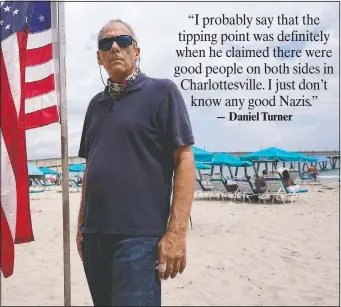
{"x": 79, "y": 240}
{"x": 172, "y": 254}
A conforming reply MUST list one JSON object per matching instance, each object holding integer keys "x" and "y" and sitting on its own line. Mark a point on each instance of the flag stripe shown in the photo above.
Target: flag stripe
{"x": 7, "y": 247}
{"x": 24, "y": 232}
{"x": 42, "y": 118}
{"x": 10, "y": 51}
{"x": 9, "y": 119}
{"x": 8, "y": 189}
{"x": 12, "y": 127}
{"x": 40, "y": 102}
{"x": 16, "y": 226}
{"x": 39, "y": 55}
{"x": 42, "y": 66}
{"x": 39, "y": 72}
{"x": 40, "y": 39}
{"x": 41, "y": 87}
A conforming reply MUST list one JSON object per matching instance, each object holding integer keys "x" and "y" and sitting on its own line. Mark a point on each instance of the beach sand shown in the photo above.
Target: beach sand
{"x": 238, "y": 254}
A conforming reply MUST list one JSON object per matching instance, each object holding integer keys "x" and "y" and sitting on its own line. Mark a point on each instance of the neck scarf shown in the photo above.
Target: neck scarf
{"x": 116, "y": 89}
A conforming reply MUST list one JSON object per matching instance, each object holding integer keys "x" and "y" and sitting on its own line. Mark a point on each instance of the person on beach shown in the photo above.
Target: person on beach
{"x": 136, "y": 138}
{"x": 262, "y": 181}
{"x": 291, "y": 187}
{"x": 260, "y": 184}
{"x": 312, "y": 170}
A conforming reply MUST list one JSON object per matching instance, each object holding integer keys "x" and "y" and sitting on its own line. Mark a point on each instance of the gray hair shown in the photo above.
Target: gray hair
{"x": 120, "y": 21}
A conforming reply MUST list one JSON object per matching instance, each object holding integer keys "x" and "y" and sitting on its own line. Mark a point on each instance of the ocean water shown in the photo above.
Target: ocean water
{"x": 331, "y": 172}
{"x": 330, "y": 175}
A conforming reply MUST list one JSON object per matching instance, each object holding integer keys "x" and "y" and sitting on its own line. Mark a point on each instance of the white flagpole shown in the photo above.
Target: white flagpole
{"x": 64, "y": 152}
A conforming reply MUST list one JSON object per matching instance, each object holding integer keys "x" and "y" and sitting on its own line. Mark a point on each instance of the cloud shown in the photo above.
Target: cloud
{"x": 157, "y": 26}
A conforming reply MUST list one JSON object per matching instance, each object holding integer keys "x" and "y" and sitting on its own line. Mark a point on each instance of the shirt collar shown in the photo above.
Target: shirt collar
{"x": 140, "y": 80}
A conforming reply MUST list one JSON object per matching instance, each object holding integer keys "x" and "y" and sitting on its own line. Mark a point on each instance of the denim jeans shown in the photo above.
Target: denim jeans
{"x": 120, "y": 270}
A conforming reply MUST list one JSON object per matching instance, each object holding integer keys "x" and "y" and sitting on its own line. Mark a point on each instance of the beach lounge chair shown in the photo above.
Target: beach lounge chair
{"x": 217, "y": 176}
{"x": 37, "y": 182}
{"x": 41, "y": 184}
{"x": 35, "y": 192}
{"x": 222, "y": 189}
{"x": 198, "y": 190}
{"x": 47, "y": 186}
{"x": 276, "y": 187}
{"x": 74, "y": 186}
{"x": 34, "y": 184}
{"x": 207, "y": 185}
{"x": 307, "y": 178}
{"x": 246, "y": 190}
{"x": 231, "y": 188}
{"x": 219, "y": 188}
{"x": 297, "y": 177}
{"x": 207, "y": 182}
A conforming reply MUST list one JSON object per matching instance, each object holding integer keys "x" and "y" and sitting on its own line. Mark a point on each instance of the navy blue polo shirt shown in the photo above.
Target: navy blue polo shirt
{"x": 128, "y": 146}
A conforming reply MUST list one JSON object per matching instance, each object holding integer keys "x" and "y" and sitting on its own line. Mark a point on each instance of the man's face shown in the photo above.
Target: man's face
{"x": 119, "y": 62}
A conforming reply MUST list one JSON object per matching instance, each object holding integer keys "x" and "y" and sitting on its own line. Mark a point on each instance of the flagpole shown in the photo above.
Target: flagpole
{"x": 64, "y": 152}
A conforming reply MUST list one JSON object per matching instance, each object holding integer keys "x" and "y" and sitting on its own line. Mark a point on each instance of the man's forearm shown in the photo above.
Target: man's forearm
{"x": 183, "y": 193}
{"x": 81, "y": 209}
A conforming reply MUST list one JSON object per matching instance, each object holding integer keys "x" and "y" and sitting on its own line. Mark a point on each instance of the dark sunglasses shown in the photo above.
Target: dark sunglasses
{"x": 121, "y": 40}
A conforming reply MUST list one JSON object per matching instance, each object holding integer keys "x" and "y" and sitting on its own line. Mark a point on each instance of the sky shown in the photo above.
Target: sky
{"x": 157, "y": 26}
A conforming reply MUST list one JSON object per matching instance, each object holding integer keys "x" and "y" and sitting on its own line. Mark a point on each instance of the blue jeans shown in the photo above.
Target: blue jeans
{"x": 120, "y": 270}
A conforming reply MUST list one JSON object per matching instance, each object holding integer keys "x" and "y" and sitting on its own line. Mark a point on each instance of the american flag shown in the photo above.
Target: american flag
{"x": 41, "y": 66}
{"x": 28, "y": 100}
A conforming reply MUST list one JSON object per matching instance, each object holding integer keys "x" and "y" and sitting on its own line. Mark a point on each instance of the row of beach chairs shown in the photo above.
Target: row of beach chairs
{"x": 38, "y": 187}
{"x": 74, "y": 187}
{"x": 215, "y": 186}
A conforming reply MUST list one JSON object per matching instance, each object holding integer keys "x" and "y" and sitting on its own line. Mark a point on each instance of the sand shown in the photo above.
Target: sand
{"x": 238, "y": 254}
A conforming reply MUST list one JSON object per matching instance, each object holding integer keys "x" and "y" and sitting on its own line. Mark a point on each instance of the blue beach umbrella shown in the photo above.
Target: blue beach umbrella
{"x": 201, "y": 166}
{"x": 201, "y": 155}
{"x": 33, "y": 170}
{"x": 271, "y": 154}
{"x": 320, "y": 158}
{"x": 305, "y": 158}
{"x": 229, "y": 160}
{"x": 48, "y": 171}
{"x": 77, "y": 168}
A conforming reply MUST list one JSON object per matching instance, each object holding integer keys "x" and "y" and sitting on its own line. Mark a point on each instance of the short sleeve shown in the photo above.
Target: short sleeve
{"x": 174, "y": 119}
{"x": 83, "y": 153}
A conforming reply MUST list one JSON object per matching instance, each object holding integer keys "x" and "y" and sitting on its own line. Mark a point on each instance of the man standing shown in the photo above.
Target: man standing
{"x": 136, "y": 134}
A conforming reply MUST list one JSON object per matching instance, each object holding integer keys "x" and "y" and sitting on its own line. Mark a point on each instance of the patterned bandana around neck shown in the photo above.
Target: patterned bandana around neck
{"x": 116, "y": 89}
